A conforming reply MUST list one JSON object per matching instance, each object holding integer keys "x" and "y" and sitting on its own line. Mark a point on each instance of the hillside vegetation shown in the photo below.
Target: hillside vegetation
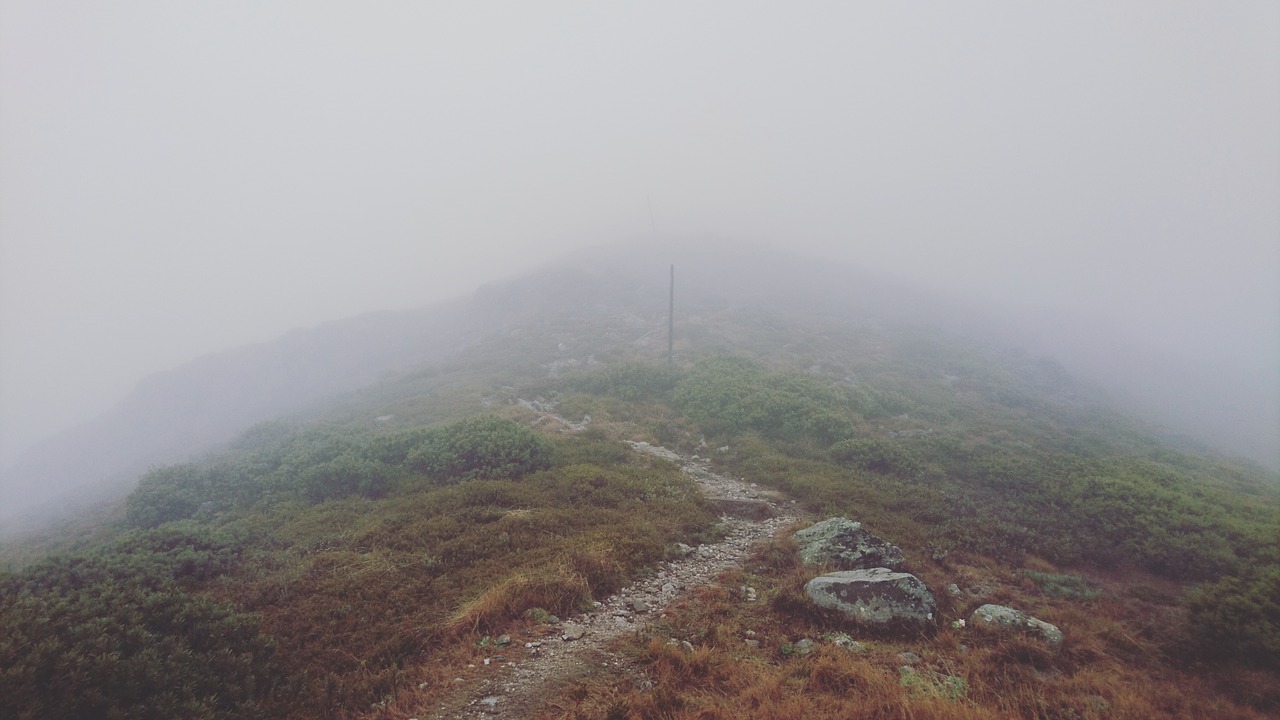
{"x": 354, "y": 561}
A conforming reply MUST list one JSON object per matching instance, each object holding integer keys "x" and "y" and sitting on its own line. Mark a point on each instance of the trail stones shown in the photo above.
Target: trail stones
{"x": 745, "y": 508}
{"x": 878, "y": 596}
{"x": 570, "y": 631}
{"x": 842, "y": 542}
{"x": 1007, "y": 619}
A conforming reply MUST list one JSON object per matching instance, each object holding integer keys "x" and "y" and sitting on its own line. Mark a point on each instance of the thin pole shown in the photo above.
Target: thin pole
{"x": 671, "y": 319}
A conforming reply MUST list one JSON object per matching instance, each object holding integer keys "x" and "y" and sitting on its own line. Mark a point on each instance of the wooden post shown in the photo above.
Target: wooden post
{"x": 671, "y": 319}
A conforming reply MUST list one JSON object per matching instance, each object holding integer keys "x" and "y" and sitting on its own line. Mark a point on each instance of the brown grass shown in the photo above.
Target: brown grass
{"x": 1114, "y": 663}
{"x": 560, "y": 591}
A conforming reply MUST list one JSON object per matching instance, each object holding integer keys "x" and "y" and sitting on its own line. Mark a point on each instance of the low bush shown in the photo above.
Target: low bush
{"x": 1239, "y": 617}
{"x": 119, "y": 633}
{"x": 878, "y": 456}
{"x": 482, "y": 447}
{"x": 1070, "y": 587}
{"x": 729, "y": 396}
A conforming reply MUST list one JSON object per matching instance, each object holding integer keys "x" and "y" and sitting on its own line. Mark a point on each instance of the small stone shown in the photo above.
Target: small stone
{"x": 571, "y": 631}
{"x": 909, "y": 657}
{"x": 954, "y": 590}
{"x": 750, "y": 633}
{"x": 486, "y": 661}
{"x": 503, "y": 640}
{"x": 686, "y": 646}
{"x": 640, "y": 606}
{"x": 752, "y": 643}
{"x": 553, "y": 620}
{"x": 668, "y": 588}
{"x": 1000, "y": 617}
{"x": 803, "y": 646}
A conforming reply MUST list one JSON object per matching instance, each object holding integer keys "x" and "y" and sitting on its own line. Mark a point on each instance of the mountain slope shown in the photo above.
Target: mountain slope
{"x": 356, "y": 557}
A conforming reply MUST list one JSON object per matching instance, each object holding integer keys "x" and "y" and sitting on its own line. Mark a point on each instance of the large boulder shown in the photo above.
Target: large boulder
{"x": 878, "y": 596}
{"x": 1006, "y": 619}
{"x": 843, "y": 543}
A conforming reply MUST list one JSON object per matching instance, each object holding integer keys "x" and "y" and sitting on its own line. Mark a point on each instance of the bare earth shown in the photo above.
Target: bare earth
{"x": 524, "y": 674}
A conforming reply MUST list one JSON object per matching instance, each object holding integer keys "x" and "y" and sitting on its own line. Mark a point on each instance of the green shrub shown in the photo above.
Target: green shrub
{"x": 877, "y": 456}
{"x": 481, "y": 447}
{"x": 346, "y": 475}
{"x": 1239, "y": 617}
{"x": 166, "y": 494}
{"x": 730, "y": 396}
{"x": 1070, "y": 587}
{"x": 117, "y": 633}
{"x": 630, "y": 381}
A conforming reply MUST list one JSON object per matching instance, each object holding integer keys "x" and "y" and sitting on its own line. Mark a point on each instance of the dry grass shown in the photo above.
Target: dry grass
{"x": 561, "y": 591}
{"x": 1115, "y": 662}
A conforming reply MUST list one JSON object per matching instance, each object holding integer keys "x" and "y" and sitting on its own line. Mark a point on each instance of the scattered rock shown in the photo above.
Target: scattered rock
{"x": 877, "y": 596}
{"x": 843, "y": 543}
{"x": 503, "y": 640}
{"x": 747, "y": 509}
{"x": 843, "y": 640}
{"x": 804, "y": 646}
{"x": 909, "y": 657}
{"x": 954, "y": 590}
{"x": 752, "y": 643}
{"x": 640, "y": 606}
{"x": 570, "y": 631}
{"x": 1002, "y": 618}
{"x": 686, "y": 646}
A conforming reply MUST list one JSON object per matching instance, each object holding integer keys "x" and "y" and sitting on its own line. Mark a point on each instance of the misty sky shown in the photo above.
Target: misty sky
{"x": 178, "y": 178}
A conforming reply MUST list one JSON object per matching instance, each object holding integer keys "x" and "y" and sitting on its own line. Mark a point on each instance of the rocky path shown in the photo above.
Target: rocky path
{"x": 526, "y": 672}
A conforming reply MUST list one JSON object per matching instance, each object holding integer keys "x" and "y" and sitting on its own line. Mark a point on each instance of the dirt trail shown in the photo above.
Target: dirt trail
{"x": 524, "y": 674}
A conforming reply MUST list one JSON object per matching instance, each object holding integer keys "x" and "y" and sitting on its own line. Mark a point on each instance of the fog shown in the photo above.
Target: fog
{"x": 178, "y": 178}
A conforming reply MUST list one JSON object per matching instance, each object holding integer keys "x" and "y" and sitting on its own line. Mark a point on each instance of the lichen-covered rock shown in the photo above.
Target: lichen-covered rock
{"x": 842, "y": 542}
{"x": 878, "y": 596}
{"x": 1002, "y": 618}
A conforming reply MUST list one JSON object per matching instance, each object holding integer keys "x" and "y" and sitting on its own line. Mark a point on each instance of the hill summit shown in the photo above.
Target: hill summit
{"x": 424, "y": 510}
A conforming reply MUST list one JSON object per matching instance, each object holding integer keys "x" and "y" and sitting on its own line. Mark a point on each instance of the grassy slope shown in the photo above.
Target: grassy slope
{"x": 980, "y": 471}
{"x": 977, "y": 466}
